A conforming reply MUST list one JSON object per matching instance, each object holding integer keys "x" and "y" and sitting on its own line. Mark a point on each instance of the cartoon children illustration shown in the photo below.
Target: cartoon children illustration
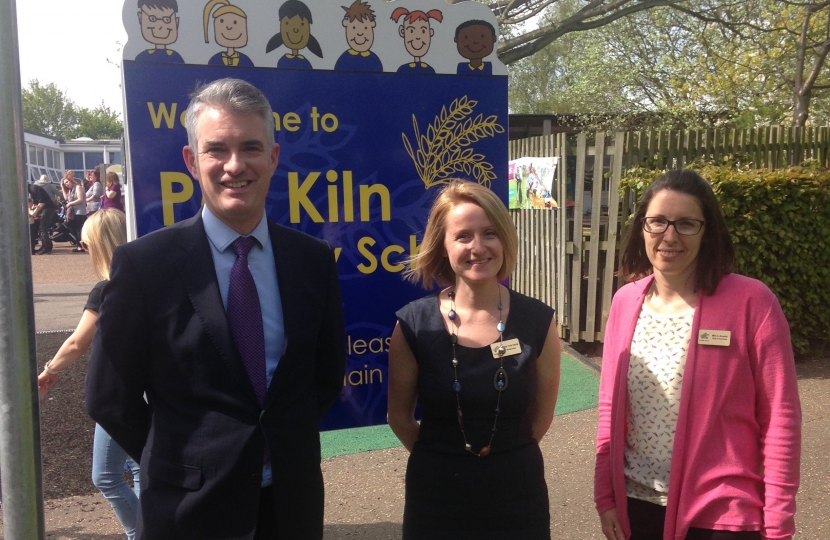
{"x": 230, "y": 26}
{"x": 416, "y": 34}
{"x": 295, "y": 33}
{"x": 359, "y": 23}
{"x": 475, "y": 41}
{"x": 159, "y": 26}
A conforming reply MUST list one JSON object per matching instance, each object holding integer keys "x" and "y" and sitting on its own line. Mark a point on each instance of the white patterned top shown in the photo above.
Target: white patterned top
{"x": 655, "y": 374}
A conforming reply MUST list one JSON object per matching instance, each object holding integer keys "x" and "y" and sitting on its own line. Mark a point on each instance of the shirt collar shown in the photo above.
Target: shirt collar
{"x": 222, "y": 236}
{"x": 364, "y": 54}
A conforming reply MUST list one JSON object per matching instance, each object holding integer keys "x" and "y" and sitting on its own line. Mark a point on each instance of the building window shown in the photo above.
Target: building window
{"x": 73, "y": 160}
{"x": 115, "y": 157}
{"x": 93, "y": 159}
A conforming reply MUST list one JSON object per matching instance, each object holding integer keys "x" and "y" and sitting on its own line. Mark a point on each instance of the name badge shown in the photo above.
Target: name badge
{"x": 720, "y": 338}
{"x": 506, "y": 348}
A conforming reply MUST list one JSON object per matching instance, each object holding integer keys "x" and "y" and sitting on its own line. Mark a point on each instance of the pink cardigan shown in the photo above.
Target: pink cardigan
{"x": 736, "y": 453}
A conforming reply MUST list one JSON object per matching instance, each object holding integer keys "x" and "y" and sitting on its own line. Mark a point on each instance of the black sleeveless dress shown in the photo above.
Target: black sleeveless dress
{"x": 451, "y": 493}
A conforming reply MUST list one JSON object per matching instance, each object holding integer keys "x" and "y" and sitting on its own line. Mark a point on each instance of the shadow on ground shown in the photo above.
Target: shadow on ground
{"x": 818, "y": 368}
{"x": 363, "y": 531}
{"x": 78, "y": 534}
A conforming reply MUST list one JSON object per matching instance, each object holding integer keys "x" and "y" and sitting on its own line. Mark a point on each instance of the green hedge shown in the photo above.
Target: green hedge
{"x": 780, "y": 224}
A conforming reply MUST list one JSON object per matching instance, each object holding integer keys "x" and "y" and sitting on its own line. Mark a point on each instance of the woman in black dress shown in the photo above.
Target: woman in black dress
{"x": 483, "y": 363}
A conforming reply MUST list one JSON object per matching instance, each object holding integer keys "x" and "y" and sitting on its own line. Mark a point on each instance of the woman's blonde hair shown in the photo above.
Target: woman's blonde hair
{"x": 112, "y": 179}
{"x": 104, "y": 231}
{"x": 430, "y": 264}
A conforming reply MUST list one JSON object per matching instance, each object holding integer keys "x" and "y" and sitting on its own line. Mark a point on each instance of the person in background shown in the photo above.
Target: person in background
{"x": 699, "y": 434}
{"x": 94, "y": 192}
{"x": 53, "y": 189}
{"x": 75, "y": 207}
{"x": 112, "y": 195}
{"x": 43, "y": 208}
{"x": 101, "y": 234}
{"x": 234, "y": 334}
{"x": 483, "y": 362}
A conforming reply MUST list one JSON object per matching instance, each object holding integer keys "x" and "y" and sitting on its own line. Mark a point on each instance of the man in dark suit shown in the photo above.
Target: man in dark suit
{"x": 227, "y": 440}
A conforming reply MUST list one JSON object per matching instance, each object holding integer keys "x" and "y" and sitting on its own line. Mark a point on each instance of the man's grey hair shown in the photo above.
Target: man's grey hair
{"x": 232, "y": 95}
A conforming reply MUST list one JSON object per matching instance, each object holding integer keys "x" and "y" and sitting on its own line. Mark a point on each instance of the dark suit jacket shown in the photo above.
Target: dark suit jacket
{"x": 162, "y": 330}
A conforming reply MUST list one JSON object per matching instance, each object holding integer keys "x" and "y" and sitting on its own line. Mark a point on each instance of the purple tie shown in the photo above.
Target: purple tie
{"x": 245, "y": 316}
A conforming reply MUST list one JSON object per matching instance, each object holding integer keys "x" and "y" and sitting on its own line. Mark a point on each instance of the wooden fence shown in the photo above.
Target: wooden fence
{"x": 771, "y": 147}
{"x": 568, "y": 256}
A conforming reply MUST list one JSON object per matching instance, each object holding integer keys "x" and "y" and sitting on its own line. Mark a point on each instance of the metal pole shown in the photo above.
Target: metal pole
{"x": 20, "y": 464}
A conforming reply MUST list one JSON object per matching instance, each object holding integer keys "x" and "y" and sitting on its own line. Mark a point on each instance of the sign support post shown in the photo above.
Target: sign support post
{"x": 20, "y": 464}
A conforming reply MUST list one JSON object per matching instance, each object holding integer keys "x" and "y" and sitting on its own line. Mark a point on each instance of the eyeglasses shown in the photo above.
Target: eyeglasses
{"x": 685, "y": 226}
{"x": 153, "y": 18}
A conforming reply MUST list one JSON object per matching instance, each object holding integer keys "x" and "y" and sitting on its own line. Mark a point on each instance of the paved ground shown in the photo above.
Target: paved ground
{"x": 364, "y": 492}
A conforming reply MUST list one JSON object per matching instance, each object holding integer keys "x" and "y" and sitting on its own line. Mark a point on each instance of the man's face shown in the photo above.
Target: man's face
{"x": 416, "y": 36}
{"x": 233, "y": 164}
{"x": 475, "y": 42}
{"x": 159, "y": 26}
{"x": 360, "y": 34}
{"x": 231, "y": 30}
{"x": 295, "y": 32}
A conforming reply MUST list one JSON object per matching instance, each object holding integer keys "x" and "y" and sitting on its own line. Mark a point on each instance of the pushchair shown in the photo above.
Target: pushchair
{"x": 60, "y": 229}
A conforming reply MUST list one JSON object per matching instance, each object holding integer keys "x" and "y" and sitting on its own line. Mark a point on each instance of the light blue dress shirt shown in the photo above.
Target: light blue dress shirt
{"x": 264, "y": 270}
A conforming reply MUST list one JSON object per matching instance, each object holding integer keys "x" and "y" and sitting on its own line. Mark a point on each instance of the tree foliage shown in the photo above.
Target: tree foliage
{"x": 571, "y": 16}
{"x": 698, "y": 63}
{"x": 99, "y": 123}
{"x": 48, "y": 110}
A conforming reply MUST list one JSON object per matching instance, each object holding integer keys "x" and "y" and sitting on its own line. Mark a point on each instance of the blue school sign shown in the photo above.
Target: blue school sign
{"x": 376, "y": 106}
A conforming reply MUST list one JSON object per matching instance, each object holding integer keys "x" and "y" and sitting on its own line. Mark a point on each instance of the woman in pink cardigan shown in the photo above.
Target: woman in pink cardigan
{"x": 699, "y": 431}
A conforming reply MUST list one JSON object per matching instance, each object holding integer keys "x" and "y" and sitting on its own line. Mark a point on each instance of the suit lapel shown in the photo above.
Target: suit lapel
{"x": 290, "y": 298}
{"x": 197, "y": 273}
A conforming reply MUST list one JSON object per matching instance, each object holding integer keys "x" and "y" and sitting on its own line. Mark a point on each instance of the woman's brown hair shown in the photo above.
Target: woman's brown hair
{"x": 717, "y": 254}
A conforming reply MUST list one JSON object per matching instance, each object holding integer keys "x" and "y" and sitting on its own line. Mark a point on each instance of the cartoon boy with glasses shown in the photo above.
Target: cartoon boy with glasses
{"x": 160, "y": 26}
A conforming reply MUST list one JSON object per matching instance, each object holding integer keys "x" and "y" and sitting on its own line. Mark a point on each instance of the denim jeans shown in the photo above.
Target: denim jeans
{"x": 108, "y": 476}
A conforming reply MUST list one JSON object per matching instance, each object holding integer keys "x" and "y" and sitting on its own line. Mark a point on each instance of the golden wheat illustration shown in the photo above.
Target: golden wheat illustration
{"x": 444, "y": 150}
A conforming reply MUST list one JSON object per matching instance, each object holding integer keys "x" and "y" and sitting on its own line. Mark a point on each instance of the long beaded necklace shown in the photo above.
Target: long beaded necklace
{"x": 499, "y": 379}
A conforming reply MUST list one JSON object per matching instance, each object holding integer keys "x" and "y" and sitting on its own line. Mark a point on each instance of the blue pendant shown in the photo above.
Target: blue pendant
{"x": 456, "y": 387}
{"x": 500, "y": 379}
{"x": 452, "y": 314}
{"x": 500, "y": 327}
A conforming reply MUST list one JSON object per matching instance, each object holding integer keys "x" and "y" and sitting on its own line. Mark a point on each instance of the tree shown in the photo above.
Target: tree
{"x": 98, "y": 123}
{"x": 794, "y": 41}
{"x": 587, "y": 15}
{"x": 48, "y": 110}
{"x": 645, "y": 64}
{"x": 700, "y": 64}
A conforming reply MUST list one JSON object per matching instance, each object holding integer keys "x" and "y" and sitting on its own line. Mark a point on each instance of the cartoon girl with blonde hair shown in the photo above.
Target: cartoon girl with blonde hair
{"x": 417, "y": 35}
{"x": 230, "y": 28}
